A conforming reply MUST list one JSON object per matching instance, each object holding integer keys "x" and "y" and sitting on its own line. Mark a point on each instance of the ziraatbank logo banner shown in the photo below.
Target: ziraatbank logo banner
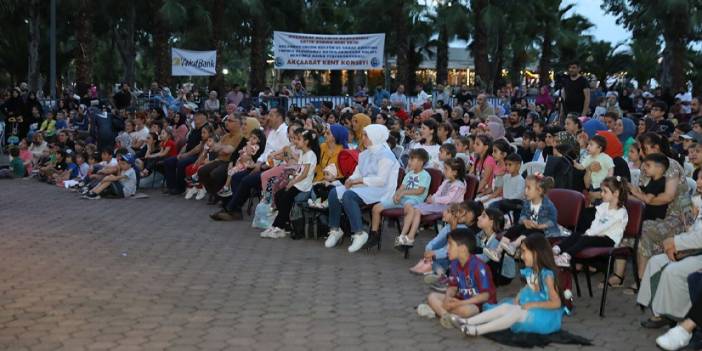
{"x": 333, "y": 52}
{"x": 193, "y": 63}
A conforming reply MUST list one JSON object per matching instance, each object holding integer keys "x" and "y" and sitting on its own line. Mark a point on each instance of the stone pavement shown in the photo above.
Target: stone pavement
{"x": 157, "y": 273}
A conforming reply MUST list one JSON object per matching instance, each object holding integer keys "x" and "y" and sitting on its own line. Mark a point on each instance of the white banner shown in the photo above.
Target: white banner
{"x": 193, "y": 63}
{"x": 333, "y": 52}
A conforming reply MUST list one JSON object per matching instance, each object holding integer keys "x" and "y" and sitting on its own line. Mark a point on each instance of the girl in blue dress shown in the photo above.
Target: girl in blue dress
{"x": 536, "y": 309}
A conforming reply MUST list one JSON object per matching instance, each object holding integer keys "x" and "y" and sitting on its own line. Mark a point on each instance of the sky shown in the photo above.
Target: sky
{"x": 606, "y": 27}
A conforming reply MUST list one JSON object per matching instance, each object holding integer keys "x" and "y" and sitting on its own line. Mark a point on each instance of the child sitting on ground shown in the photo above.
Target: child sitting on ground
{"x": 655, "y": 166}
{"x": 512, "y": 188}
{"x": 538, "y": 216}
{"x": 608, "y": 227}
{"x": 470, "y": 282}
{"x": 17, "y": 169}
{"x": 71, "y": 171}
{"x": 413, "y": 190}
{"x": 450, "y": 191}
{"x": 244, "y": 162}
{"x": 491, "y": 222}
{"x": 122, "y": 185}
{"x": 460, "y": 215}
{"x": 537, "y": 308}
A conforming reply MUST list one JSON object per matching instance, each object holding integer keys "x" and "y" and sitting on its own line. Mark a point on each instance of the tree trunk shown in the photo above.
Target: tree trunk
{"x": 257, "y": 64}
{"x": 84, "y": 50}
{"x": 497, "y": 61}
{"x": 545, "y": 60}
{"x": 401, "y": 34}
{"x": 673, "y": 68}
{"x": 350, "y": 78}
{"x": 335, "y": 82}
{"x": 34, "y": 39}
{"x": 162, "y": 54}
{"x": 479, "y": 46}
{"x": 217, "y": 16}
{"x": 442, "y": 59}
{"x": 516, "y": 67}
{"x": 126, "y": 44}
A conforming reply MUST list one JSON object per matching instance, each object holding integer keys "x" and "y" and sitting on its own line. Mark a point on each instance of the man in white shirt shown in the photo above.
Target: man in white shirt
{"x": 398, "y": 98}
{"x": 422, "y": 96}
{"x": 244, "y": 182}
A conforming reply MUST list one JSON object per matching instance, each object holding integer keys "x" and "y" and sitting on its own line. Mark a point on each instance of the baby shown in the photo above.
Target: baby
{"x": 244, "y": 162}
{"x": 321, "y": 189}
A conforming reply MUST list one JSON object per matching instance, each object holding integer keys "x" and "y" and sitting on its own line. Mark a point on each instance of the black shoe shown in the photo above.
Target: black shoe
{"x": 657, "y": 323}
{"x": 373, "y": 240}
{"x": 213, "y": 200}
{"x": 296, "y": 236}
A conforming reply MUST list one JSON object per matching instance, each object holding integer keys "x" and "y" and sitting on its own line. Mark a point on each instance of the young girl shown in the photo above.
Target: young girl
{"x": 606, "y": 230}
{"x": 538, "y": 216}
{"x": 194, "y": 187}
{"x": 491, "y": 222}
{"x": 284, "y": 199}
{"x": 460, "y": 215}
{"x": 245, "y": 161}
{"x": 450, "y": 191}
{"x": 484, "y": 166}
{"x": 537, "y": 308}
{"x": 500, "y": 150}
{"x": 634, "y": 156}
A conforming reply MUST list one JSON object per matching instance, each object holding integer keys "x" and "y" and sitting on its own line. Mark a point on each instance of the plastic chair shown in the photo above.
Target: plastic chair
{"x": 394, "y": 214}
{"x": 635, "y": 209}
{"x": 569, "y": 204}
{"x": 691, "y": 185}
{"x": 532, "y": 167}
{"x": 635, "y": 175}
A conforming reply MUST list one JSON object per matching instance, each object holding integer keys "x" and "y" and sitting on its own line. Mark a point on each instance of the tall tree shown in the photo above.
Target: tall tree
{"x": 84, "y": 51}
{"x": 479, "y": 44}
{"x": 679, "y": 22}
{"x": 34, "y": 8}
{"x": 450, "y": 20}
{"x": 605, "y": 59}
{"x": 644, "y": 50}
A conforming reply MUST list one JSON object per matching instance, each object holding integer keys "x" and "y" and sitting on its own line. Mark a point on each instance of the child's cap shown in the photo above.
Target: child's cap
{"x": 331, "y": 170}
{"x": 129, "y": 158}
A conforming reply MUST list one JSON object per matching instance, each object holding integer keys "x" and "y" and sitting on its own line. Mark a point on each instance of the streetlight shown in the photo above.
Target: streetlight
{"x": 225, "y": 71}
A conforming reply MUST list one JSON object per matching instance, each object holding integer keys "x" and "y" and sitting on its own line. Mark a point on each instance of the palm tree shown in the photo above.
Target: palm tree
{"x": 84, "y": 50}
{"x": 451, "y": 19}
{"x": 644, "y": 51}
{"x": 604, "y": 60}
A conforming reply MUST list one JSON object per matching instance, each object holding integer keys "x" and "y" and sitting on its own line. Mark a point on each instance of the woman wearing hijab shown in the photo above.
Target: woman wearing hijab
{"x": 374, "y": 180}
{"x": 358, "y": 122}
{"x": 335, "y": 139}
{"x": 625, "y": 129}
{"x": 544, "y": 98}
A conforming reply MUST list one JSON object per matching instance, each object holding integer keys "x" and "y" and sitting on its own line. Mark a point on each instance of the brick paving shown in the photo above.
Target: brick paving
{"x": 157, "y": 273}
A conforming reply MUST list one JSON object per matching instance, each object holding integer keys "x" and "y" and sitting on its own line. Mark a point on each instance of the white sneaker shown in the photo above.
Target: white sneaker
{"x": 556, "y": 250}
{"x": 201, "y": 193}
{"x": 563, "y": 260}
{"x": 333, "y": 238}
{"x": 358, "y": 241}
{"x": 675, "y": 339}
{"x": 279, "y": 233}
{"x": 267, "y": 233}
{"x": 310, "y": 203}
{"x": 190, "y": 193}
{"x": 423, "y": 310}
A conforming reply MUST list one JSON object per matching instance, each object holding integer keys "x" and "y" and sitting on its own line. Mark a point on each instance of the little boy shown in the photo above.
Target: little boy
{"x": 462, "y": 144}
{"x": 470, "y": 282}
{"x": 512, "y": 187}
{"x": 540, "y": 145}
{"x": 414, "y": 189}
{"x": 655, "y": 166}
{"x": 17, "y": 169}
{"x": 122, "y": 185}
{"x": 595, "y": 153}
{"x": 446, "y": 152}
{"x": 525, "y": 150}
{"x": 435, "y": 252}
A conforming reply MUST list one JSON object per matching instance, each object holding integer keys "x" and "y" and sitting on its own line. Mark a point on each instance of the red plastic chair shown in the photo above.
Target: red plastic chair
{"x": 569, "y": 204}
{"x": 394, "y": 214}
{"x": 635, "y": 209}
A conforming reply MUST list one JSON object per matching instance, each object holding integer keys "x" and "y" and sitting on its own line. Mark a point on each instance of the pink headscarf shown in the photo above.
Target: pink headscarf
{"x": 544, "y": 98}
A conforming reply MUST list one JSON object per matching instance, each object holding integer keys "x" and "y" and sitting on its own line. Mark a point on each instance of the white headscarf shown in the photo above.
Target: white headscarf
{"x": 377, "y": 134}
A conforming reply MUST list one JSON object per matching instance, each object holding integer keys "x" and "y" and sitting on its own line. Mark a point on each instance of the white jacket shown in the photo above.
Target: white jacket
{"x": 609, "y": 222}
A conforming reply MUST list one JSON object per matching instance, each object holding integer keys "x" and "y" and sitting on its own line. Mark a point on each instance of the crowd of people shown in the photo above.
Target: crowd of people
{"x": 378, "y": 155}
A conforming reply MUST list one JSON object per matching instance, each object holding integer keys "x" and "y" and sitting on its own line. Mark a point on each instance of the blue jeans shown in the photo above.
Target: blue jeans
{"x": 175, "y": 171}
{"x": 351, "y": 203}
{"x": 241, "y": 185}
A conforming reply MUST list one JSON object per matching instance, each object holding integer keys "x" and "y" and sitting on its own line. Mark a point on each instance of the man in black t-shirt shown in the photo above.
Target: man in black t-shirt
{"x": 123, "y": 98}
{"x": 515, "y": 128}
{"x": 576, "y": 92}
{"x": 464, "y": 95}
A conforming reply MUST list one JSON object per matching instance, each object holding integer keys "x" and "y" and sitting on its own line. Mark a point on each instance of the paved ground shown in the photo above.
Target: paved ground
{"x": 158, "y": 274}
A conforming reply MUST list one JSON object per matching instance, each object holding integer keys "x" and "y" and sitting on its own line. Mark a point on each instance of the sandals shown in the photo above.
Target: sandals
{"x": 613, "y": 286}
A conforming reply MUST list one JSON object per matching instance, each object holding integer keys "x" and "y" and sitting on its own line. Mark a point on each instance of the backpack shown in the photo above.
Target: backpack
{"x": 348, "y": 160}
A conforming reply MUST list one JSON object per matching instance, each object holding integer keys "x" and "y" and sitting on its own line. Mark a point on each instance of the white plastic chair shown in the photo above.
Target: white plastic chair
{"x": 532, "y": 167}
{"x": 635, "y": 175}
{"x": 691, "y": 184}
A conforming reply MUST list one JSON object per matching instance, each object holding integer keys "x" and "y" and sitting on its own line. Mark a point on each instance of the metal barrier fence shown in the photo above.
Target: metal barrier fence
{"x": 142, "y": 103}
